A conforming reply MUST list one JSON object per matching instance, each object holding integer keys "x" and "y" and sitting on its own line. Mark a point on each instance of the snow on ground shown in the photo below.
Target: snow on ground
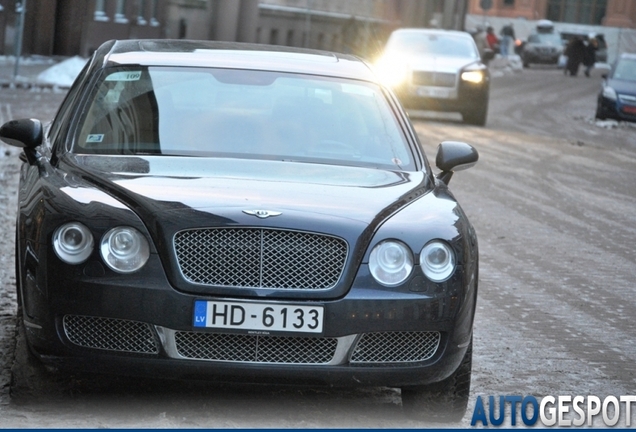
{"x": 64, "y": 73}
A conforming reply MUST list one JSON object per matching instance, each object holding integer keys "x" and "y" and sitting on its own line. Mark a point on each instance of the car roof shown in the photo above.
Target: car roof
{"x": 232, "y": 55}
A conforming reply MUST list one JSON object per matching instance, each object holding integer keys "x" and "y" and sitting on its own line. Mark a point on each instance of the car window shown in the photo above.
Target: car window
{"x": 240, "y": 113}
{"x": 625, "y": 70}
{"x": 444, "y": 45}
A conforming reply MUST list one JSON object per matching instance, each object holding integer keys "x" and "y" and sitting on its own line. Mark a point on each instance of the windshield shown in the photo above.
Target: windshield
{"x": 625, "y": 70}
{"x": 244, "y": 114}
{"x": 444, "y": 45}
{"x": 546, "y": 39}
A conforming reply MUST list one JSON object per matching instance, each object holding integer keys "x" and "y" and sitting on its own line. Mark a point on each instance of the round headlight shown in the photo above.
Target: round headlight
{"x": 437, "y": 261}
{"x": 73, "y": 243}
{"x": 390, "y": 263}
{"x": 124, "y": 249}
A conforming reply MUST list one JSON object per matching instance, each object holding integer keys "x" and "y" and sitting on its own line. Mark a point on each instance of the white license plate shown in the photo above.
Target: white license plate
{"x": 258, "y": 316}
{"x": 439, "y": 93}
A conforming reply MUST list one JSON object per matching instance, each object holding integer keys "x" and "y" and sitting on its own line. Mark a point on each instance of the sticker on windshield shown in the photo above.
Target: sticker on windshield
{"x": 124, "y": 76}
{"x": 95, "y": 138}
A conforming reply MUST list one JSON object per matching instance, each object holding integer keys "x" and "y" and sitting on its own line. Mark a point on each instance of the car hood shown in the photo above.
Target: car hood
{"x": 622, "y": 86}
{"x": 190, "y": 192}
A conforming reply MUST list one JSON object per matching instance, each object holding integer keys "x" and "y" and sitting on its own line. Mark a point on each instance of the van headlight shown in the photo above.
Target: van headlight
{"x": 124, "y": 249}
{"x": 390, "y": 262}
{"x": 437, "y": 261}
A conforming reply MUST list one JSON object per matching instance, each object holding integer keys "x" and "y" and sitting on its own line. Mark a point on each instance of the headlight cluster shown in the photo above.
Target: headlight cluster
{"x": 123, "y": 249}
{"x": 392, "y": 71}
{"x": 609, "y": 93}
{"x": 391, "y": 262}
{"x": 475, "y": 76}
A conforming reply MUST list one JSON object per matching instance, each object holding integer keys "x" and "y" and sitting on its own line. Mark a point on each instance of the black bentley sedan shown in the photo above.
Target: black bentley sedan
{"x": 244, "y": 213}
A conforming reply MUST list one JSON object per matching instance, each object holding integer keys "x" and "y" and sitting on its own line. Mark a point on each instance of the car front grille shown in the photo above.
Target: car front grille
{"x": 395, "y": 347}
{"x": 110, "y": 334}
{"x": 435, "y": 79}
{"x": 260, "y": 258}
{"x": 255, "y": 349}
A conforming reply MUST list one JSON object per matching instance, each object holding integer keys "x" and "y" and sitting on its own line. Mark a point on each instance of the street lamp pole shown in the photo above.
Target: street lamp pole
{"x": 20, "y": 8}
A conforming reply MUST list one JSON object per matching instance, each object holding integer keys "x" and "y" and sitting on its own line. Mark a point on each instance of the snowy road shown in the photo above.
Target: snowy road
{"x": 552, "y": 199}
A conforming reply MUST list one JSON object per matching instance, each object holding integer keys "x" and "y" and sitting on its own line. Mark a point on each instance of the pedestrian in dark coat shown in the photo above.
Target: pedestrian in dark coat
{"x": 575, "y": 51}
{"x": 590, "y": 56}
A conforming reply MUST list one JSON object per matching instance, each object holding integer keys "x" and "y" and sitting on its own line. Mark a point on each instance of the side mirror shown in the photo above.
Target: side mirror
{"x": 24, "y": 133}
{"x": 454, "y": 156}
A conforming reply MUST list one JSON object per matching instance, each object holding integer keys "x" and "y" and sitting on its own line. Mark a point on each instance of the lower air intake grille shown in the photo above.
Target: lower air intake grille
{"x": 110, "y": 334}
{"x": 395, "y": 347}
{"x": 256, "y": 349}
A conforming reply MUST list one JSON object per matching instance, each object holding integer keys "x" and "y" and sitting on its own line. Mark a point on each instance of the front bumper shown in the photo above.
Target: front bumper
{"x": 466, "y": 97}
{"x": 370, "y": 337}
{"x": 541, "y": 58}
{"x": 616, "y": 109}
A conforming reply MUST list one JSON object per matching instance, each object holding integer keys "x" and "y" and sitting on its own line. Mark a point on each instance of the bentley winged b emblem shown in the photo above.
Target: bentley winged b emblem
{"x": 262, "y": 213}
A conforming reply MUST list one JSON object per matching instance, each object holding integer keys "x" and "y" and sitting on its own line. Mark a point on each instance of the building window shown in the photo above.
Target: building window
{"x": 183, "y": 28}
{"x": 141, "y": 12}
{"x": 120, "y": 12}
{"x": 273, "y": 37}
{"x": 579, "y": 12}
{"x": 290, "y": 38}
{"x": 154, "y": 13}
{"x": 100, "y": 11}
{"x": 509, "y": 3}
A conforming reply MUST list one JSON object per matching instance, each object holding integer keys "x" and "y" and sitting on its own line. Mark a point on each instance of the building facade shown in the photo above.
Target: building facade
{"x": 72, "y": 27}
{"x": 612, "y": 13}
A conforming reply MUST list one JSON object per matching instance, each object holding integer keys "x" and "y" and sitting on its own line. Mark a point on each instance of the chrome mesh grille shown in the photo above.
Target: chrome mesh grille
{"x": 256, "y": 349}
{"x": 395, "y": 347}
{"x": 260, "y": 258}
{"x": 436, "y": 79}
{"x": 110, "y": 334}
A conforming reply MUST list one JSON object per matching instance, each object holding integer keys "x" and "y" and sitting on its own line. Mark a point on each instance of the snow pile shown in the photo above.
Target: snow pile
{"x": 64, "y": 73}
{"x": 606, "y": 124}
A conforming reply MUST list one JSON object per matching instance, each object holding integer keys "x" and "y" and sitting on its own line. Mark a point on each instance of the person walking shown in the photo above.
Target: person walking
{"x": 575, "y": 52}
{"x": 589, "y": 57}
{"x": 492, "y": 39}
{"x": 507, "y": 37}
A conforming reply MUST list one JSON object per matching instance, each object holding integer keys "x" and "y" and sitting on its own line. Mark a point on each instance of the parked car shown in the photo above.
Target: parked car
{"x": 244, "y": 212}
{"x": 617, "y": 98}
{"x": 437, "y": 70}
{"x": 541, "y": 48}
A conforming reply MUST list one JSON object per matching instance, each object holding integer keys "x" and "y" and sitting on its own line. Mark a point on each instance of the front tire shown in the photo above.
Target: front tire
{"x": 445, "y": 401}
